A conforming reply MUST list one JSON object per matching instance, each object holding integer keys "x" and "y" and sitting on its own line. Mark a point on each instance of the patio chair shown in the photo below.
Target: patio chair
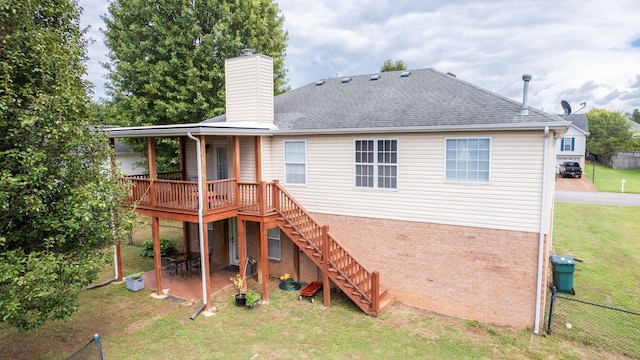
{"x": 170, "y": 266}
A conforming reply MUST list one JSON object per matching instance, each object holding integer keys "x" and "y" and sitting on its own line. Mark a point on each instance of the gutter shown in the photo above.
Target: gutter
{"x": 237, "y": 130}
{"x": 543, "y": 207}
{"x": 200, "y": 221}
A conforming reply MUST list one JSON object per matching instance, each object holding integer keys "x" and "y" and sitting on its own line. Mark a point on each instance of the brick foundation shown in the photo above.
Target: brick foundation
{"x": 474, "y": 273}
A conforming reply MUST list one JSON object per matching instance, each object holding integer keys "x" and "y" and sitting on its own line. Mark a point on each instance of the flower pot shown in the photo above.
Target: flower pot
{"x": 136, "y": 284}
{"x": 241, "y": 300}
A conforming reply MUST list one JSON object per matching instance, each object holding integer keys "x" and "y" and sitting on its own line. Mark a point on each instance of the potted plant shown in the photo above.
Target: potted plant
{"x": 238, "y": 281}
{"x": 135, "y": 281}
{"x": 252, "y": 300}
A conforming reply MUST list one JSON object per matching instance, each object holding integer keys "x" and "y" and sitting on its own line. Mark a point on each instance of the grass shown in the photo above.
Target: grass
{"x": 132, "y": 325}
{"x": 610, "y": 180}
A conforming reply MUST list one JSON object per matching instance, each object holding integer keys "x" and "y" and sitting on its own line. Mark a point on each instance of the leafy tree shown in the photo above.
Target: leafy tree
{"x": 609, "y": 133}
{"x": 635, "y": 116}
{"x": 57, "y": 204}
{"x": 167, "y": 57}
{"x": 389, "y": 65}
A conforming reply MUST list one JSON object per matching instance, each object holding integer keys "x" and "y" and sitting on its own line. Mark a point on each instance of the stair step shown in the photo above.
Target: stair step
{"x": 385, "y": 303}
{"x": 341, "y": 278}
{"x": 333, "y": 270}
{"x": 347, "y": 285}
{"x": 317, "y": 254}
{"x": 310, "y": 247}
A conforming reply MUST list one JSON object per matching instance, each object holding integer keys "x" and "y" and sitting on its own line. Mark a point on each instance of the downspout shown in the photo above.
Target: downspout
{"x": 200, "y": 210}
{"x": 543, "y": 207}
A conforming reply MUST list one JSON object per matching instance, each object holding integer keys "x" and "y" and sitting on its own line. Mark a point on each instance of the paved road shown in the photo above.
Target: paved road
{"x": 599, "y": 198}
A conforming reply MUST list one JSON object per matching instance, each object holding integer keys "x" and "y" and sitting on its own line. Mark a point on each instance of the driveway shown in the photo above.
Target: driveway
{"x": 584, "y": 192}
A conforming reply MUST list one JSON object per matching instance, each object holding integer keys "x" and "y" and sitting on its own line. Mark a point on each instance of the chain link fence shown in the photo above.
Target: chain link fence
{"x": 612, "y": 329}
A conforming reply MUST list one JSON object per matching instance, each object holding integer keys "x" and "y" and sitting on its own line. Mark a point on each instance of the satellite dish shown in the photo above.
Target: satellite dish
{"x": 566, "y": 107}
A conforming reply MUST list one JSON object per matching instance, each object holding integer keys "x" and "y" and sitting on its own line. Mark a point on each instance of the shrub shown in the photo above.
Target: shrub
{"x": 167, "y": 247}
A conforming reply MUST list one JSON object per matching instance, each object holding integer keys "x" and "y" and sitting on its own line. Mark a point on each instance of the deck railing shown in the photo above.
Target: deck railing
{"x": 179, "y": 195}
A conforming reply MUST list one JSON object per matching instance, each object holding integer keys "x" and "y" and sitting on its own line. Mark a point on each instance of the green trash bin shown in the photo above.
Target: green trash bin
{"x": 563, "y": 267}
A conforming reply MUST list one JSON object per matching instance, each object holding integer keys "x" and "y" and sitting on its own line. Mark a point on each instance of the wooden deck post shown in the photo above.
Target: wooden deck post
{"x": 258, "y": 156}
{"x": 326, "y": 284}
{"x": 157, "y": 257}
{"x": 151, "y": 153}
{"x": 242, "y": 252}
{"x": 375, "y": 292}
{"x": 276, "y": 194}
{"x": 263, "y": 198}
{"x": 236, "y": 165}
{"x": 118, "y": 262}
{"x": 263, "y": 274}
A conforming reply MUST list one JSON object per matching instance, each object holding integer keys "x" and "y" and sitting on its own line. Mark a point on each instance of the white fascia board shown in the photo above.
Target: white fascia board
{"x": 245, "y": 128}
{"x": 558, "y": 127}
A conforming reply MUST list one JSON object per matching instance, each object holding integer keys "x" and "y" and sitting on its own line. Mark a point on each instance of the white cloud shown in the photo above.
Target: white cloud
{"x": 575, "y": 50}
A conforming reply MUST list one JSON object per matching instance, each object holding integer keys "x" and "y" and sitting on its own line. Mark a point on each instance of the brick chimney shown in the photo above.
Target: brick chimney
{"x": 249, "y": 88}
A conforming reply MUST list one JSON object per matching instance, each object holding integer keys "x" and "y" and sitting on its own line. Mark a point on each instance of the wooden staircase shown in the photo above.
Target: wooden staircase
{"x": 361, "y": 285}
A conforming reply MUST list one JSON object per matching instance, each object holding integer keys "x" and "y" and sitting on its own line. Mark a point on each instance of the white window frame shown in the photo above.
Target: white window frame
{"x": 286, "y": 162}
{"x": 567, "y": 141}
{"x": 376, "y": 165}
{"x": 470, "y": 165}
{"x": 272, "y": 240}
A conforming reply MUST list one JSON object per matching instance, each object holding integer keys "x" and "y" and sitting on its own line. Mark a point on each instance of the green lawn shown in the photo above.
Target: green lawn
{"x": 610, "y": 180}
{"x": 133, "y": 325}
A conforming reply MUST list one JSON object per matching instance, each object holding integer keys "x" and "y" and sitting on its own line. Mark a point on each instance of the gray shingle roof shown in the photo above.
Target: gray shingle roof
{"x": 579, "y": 120}
{"x": 425, "y": 98}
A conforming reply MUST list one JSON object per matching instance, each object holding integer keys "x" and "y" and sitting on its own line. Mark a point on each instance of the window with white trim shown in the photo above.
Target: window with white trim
{"x": 295, "y": 162}
{"x": 273, "y": 235}
{"x": 468, "y": 159}
{"x": 376, "y": 163}
{"x": 567, "y": 144}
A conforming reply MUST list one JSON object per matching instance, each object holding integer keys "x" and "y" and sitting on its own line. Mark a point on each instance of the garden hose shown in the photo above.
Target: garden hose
{"x": 290, "y": 285}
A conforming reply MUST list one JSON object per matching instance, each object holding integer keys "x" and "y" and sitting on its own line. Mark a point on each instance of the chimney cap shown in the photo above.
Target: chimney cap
{"x": 247, "y": 52}
{"x": 526, "y": 77}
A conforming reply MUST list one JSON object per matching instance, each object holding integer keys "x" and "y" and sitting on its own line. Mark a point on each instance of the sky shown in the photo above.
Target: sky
{"x": 577, "y": 51}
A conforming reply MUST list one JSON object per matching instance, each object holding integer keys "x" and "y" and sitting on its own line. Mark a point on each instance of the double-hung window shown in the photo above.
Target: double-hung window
{"x": 468, "y": 159}
{"x": 376, "y": 164}
{"x": 567, "y": 144}
{"x": 295, "y": 162}
{"x": 273, "y": 235}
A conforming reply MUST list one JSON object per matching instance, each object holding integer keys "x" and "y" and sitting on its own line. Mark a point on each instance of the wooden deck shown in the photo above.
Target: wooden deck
{"x": 271, "y": 204}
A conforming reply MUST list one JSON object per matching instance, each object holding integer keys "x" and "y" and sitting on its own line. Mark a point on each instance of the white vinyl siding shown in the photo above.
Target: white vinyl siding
{"x": 511, "y": 201}
{"x": 376, "y": 163}
{"x": 295, "y": 162}
{"x": 247, "y": 159}
{"x": 468, "y": 159}
{"x": 273, "y": 235}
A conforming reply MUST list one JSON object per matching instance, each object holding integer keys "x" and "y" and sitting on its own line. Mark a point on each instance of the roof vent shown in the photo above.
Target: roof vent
{"x": 375, "y": 77}
{"x": 346, "y": 79}
{"x": 247, "y": 52}
{"x": 451, "y": 74}
{"x": 320, "y": 82}
{"x": 405, "y": 74}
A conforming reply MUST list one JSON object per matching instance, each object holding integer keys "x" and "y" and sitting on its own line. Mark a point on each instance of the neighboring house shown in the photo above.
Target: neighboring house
{"x": 414, "y": 186}
{"x": 634, "y": 127}
{"x": 129, "y": 161}
{"x": 572, "y": 146}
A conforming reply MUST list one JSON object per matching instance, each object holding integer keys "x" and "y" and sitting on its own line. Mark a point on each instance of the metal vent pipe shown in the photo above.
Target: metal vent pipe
{"x": 525, "y": 94}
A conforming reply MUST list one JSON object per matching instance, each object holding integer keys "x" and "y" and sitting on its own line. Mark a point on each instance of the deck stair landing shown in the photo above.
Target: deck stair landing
{"x": 360, "y": 284}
